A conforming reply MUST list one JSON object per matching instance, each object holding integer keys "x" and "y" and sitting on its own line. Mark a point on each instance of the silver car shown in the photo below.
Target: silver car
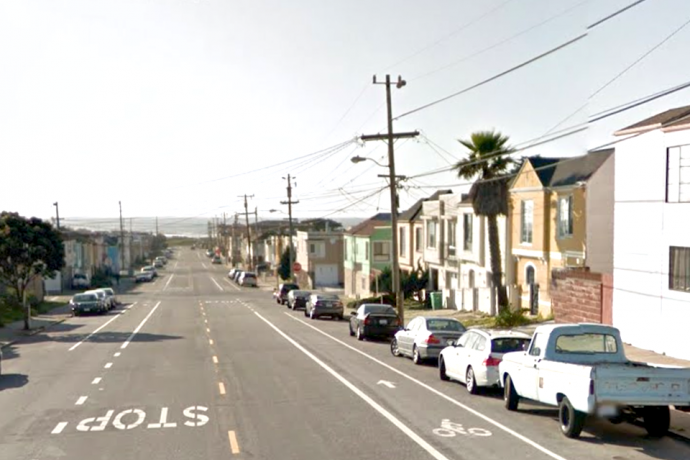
{"x": 247, "y": 279}
{"x": 425, "y": 337}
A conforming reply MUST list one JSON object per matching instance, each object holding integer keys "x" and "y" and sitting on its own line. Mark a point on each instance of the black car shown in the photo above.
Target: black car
{"x": 297, "y": 299}
{"x": 281, "y": 293}
{"x": 374, "y": 320}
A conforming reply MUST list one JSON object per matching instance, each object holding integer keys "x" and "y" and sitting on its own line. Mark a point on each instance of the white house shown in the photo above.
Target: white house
{"x": 456, "y": 250}
{"x": 651, "y": 298}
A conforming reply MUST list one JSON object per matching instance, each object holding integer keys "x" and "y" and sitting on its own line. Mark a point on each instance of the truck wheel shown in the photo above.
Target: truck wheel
{"x": 571, "y": 420}
{"x": 510, "y": 396}
{"x": 657, "y": 420}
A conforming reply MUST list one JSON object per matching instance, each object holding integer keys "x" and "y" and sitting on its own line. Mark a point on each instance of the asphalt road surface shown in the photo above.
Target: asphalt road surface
{"x": 194, "y": 367}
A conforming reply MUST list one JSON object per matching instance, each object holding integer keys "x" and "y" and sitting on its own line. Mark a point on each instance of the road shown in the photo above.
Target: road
{"x": 194, "y": 367}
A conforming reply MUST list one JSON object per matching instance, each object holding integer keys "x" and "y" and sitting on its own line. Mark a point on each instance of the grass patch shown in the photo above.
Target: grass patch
{"x": 12, "y": 314}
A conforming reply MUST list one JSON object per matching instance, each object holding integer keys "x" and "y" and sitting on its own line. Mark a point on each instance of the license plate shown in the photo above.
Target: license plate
{"x": 607, "y": 411}
{"x": 383, "y": 321}
{"x": 87, "y": 309}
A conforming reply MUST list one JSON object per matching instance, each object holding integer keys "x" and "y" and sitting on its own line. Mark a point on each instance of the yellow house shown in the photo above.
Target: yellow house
{"x": 561, "y": 210}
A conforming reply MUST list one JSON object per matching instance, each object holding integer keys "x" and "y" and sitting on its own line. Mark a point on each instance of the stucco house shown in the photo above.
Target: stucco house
{"x": 320, "y": 254}
{"x": 367, "y": 251}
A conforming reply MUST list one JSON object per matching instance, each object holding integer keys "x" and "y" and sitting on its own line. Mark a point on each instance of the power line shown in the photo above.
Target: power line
{"x": 620, "y": 74}
{"x": 495, "y": 45}
{"x": 447, "y": 36}
{"x": 495, "y": 77}
{"x": 612, "y": 15}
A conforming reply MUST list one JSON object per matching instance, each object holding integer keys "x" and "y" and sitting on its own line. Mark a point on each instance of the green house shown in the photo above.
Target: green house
{"x": 367, "y": 251}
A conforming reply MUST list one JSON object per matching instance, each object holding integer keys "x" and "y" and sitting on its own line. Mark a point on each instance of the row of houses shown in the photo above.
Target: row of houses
{"x": 601, "y": 237}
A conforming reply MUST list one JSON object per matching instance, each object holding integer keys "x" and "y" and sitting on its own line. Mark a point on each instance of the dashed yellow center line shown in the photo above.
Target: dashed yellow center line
{"x": 208, "y": 330}
{"x": 221, "y": 388}
{"x": 215, "y": 360}
{"x": 210, "y": 341}
{"x": 234, "y": 445}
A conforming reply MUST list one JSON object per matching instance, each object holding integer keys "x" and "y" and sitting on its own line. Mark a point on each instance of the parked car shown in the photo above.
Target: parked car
{"x": 110, "y": 293}
{"x": 158, "y": 263}
{"x": 0, "y": 361}
{"x": 88, "y": 302}
{"x": 193, "y": 247}
{"x": 236, "y": 276}
{"x": 280, "y": 294}
{"x": 231, "y": 273}
{"x": 216, "y": 260}
{"x": 80, "y": 281}
{"x": 582, "y": 369}
{"x": 474, "y": 358}
{"x": 248, "y": 279}
{"x": 103, "y": 295}
{"x": 143, "y": 276}
{"x": 323, "y": 304}
{"x": 425, "y": 337}
{"x": 209, "y": 253}
{"x": 150, "y": 268}
{"x": 374, "y": 320}
{"x": 297, "y": 299}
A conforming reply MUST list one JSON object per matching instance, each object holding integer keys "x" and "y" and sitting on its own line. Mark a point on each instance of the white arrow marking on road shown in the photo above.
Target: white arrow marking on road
{"x": 387, "y": 383}
{"x": 58, "y": 428}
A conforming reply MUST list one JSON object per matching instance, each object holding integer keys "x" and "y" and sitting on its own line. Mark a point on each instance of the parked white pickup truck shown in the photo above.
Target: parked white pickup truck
{"x": 582, "y": 369}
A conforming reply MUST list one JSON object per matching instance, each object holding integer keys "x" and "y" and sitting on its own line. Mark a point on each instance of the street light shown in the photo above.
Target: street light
{"x": 359, "y": 159}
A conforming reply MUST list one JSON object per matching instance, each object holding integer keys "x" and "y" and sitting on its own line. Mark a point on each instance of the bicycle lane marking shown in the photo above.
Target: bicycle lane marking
{"x": 475, "y": 412}
{"x": 101, "y": 327}
{"x": 376, "y": 406}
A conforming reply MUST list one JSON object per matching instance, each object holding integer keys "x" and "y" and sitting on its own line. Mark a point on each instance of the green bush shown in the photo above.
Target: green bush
{"x": 387, "y": 299}
{"x": 100, "y": 279}
{"x": 510, "y": 317}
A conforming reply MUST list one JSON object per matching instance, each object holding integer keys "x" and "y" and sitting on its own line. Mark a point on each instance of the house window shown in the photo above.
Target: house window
{"x": 679, "y": 269}
{"x": 317, "y": 249}
{"x": 382, "y": 251}
{"x": 565, "y": 216}
{"x": 364, "y": 284}
{"x": 467, "y": 231}
{"x": 418, "y": 239}
{"x": 402, "y": 243}
{"x": 345, "y": 245}
{"x": 451, "y": 238}
{"x": 366, "y": 251}
{"x": 678, "y": 174}
{"x": 526, "y": 219}
{"x": 431, "y": 234}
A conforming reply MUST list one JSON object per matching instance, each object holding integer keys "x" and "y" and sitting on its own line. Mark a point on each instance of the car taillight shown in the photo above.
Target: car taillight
{"x": 432, "y": 339}
{"x": 491, "y": 361}
{"x": 367, "y": 321}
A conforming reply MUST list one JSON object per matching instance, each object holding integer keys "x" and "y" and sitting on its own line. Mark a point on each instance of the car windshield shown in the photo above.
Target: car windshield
{"x": 509, "y": 344}
{"x": 441, "y": 325}
{"x": 297, "y": 293}
{"x": 85, "y": 298}
{"x": 289, "y": 287}
{"x": 384, "y": 309}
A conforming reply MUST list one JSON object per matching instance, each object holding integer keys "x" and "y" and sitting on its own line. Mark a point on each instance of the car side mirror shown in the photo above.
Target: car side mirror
{"x": 451, "y": 343}
{"x": 457, "y": 344}
{"x": 353, "y": 313}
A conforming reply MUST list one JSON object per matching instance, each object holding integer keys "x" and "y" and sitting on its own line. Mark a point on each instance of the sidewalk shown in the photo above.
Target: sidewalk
{"x": 14, "y": 332}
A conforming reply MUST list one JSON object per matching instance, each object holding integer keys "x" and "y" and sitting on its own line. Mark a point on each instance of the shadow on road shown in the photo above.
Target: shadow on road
{"x": 8, "y": 381}
{"x": 103, "y": 337}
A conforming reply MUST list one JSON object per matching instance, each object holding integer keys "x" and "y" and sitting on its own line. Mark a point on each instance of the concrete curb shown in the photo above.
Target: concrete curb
{"x": 34, "y": 332}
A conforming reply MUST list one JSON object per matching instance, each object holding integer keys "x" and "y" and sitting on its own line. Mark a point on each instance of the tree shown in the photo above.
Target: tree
{"x": 319, "y": 225}
{"x": 410, "y": 283}
{"x": 488, "y": 162}
{"x": 159, "y": 243}
{"x": 284, "y": 267}
{"x": 29, "y": 248}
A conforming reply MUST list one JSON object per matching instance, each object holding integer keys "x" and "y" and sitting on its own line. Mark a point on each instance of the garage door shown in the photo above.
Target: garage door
{"x": 326, "y": 275}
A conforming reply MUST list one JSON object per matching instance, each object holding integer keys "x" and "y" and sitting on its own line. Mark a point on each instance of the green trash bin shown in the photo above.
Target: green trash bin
{"x": 436, "y": 300}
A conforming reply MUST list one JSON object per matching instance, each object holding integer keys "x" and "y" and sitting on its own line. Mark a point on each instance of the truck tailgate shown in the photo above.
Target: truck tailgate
{"x": 641, "y": 384}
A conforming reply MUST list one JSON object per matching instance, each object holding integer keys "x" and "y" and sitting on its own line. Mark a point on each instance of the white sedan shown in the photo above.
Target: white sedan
{"x": 474, "y": 358}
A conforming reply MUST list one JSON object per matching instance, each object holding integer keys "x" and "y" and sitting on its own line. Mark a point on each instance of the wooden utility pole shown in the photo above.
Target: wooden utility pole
{"x": 390, "y": 137}
{"x": 289, "y": 202}
{"x": 156, "y": 225}
{"x": 57, "y": 215}
{"x": 250, "y": 253}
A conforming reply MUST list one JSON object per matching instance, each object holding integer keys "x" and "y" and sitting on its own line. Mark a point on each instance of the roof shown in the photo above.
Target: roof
{"x": 571, "y": 171}
{"x": 541, "y": 168}
{"x": 416, "y": 209}
{"x": 673, "y": 117}
{"x": 367, "y": 227}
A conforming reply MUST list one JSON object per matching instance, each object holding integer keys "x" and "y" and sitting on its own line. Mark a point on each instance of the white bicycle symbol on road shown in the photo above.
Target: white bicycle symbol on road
{"x": 450, "y": 430}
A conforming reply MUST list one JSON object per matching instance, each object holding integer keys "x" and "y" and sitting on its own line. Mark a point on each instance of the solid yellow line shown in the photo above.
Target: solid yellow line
{"x": 221, "y": 387}
{"x": 234, "y": 446}
{"x": 215, "y": 359}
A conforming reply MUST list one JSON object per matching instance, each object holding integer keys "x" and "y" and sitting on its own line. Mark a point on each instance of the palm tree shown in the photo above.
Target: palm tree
{"x": 488, "y": 162}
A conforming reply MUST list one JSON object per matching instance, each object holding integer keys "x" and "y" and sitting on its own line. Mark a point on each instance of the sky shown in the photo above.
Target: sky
{"x": 171, "y": 106}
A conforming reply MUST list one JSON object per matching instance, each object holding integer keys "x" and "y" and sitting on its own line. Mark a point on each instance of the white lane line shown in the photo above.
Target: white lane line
{"x": 58, "y": 428}
{"x": 124, "y": 345}
{"x": 228, "y": 281}
{"x": 108, "y": 365}
{"x": 221, "y": 388}
{"x": 96, "y": 381}
{"x": 390, "y": 417}
{"x": 234, "y": 445}
{"x": 176, "y": 264}
{"x": 101, "y": 327}
{"x": 486, "y": 418}
{"x": 81, "y": 400}
{"x": 215, "y": 360}
{"x": 117, "y": 354}
{"x": 168, "y": 283}
{"x": 204, "y": 265}
{"x": 216, "y": 283}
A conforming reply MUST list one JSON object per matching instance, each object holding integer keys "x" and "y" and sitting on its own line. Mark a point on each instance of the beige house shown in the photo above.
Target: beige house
{"x": 557, "y": 207}
{"x": 320, "y": 254}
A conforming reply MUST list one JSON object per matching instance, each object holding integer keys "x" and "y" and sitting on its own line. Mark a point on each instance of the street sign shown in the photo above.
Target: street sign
{"x": 296, "y": 267}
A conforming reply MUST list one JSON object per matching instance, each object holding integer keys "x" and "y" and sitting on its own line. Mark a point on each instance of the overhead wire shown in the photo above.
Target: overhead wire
{"x": 614, "y": 14}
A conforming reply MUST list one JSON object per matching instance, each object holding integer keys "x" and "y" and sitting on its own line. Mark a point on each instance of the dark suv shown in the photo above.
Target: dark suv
{"x": 281, "y": 293}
